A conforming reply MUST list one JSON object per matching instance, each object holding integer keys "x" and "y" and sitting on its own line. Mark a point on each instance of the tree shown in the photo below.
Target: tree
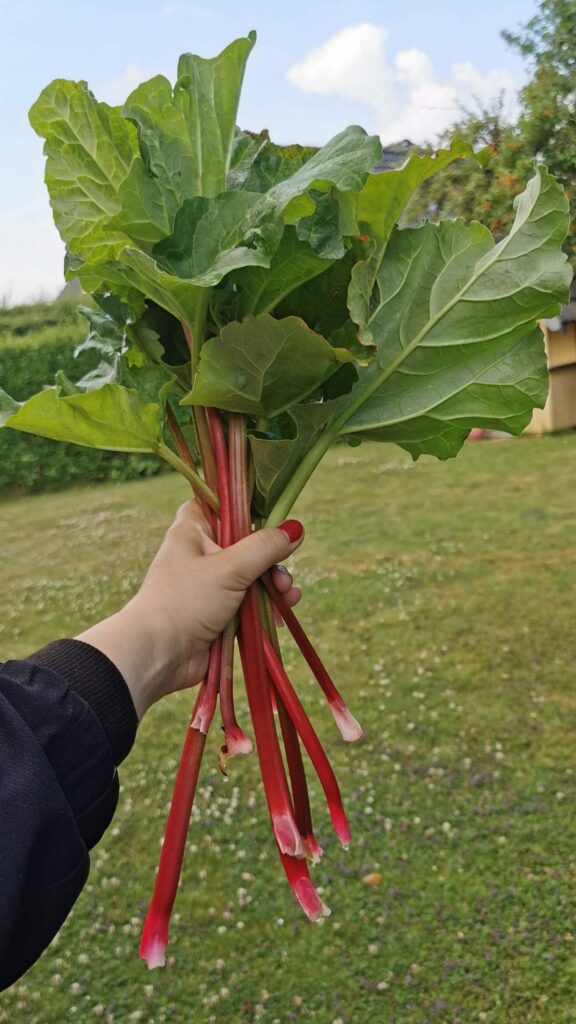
{"x": 548, "y": 120}
{"x": 545, "y": 130}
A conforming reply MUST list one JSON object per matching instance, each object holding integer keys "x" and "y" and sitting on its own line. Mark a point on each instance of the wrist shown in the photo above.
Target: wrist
{"x": 132, "y": 641}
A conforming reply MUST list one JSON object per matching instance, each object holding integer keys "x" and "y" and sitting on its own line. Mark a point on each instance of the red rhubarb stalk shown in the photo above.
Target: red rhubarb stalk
{"x": 223, "y": 475}
{"x": 252, "y": 655}
{"x": 235, "y": 740}
{"x": 349, "y": 727}
{"x": 310, "y": 740}
{"x": 206, "y": 703}
{"x": 271, "y": 765}
{"x": 155, "y": 933}
{"x": 299, "y": 785}
{"x": 303, "y": 888}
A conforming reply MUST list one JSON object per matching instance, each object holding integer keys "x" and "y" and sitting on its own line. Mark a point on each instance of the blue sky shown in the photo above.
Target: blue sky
{"x": 399, "y": 69}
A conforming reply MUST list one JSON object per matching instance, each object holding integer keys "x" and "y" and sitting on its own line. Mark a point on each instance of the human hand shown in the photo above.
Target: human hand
{"x": 160, "y": 640}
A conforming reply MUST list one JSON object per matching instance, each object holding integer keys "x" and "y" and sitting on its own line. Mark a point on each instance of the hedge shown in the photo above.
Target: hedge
{"x": 35, "y": 342}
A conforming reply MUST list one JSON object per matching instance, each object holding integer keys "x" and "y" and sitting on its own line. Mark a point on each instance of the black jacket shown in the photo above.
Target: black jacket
{"x": 66, "y": 721}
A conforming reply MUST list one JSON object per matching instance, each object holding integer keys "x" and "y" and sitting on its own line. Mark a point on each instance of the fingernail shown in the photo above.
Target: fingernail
{"x": 293, "y": 529}
{"x": 282, "y": 568}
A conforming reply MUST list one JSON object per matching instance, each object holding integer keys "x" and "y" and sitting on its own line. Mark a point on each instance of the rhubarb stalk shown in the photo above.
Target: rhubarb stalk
{"x": 155, "y": 932}
{"x": 349, "y": 727}
{"x": 252, "y": 655}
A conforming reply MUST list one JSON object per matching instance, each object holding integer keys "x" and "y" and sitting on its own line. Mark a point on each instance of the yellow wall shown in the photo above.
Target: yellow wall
{"x": 559, "y": 412}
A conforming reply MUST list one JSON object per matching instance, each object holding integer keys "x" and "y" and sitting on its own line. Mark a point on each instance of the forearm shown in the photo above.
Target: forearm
{"x": 66, "y": 720}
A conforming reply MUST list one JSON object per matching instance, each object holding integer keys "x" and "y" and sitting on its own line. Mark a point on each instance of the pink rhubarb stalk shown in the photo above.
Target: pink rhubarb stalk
{"x": 303, "y": 888}
{"x": 222, "y": 474}
{"x": 235, "y": 740}
{"x": 300, "y": 797}
{"x": 252, "y": 655}
{"x": 349, "y": 727}
{"x": 206, "y": 703}
{"x": 155, "y": 932}
{"x": 310, "y": 740}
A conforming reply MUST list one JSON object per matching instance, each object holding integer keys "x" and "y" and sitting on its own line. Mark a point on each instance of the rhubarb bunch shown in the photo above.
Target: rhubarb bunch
{"x": 254, "y": 305}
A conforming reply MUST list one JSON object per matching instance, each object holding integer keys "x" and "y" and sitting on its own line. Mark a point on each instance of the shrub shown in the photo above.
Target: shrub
{"x": 35, "y": 342}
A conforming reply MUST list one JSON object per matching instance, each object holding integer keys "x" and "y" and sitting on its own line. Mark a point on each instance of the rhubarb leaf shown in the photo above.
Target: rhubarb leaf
{"x": 245, "y": 151}
{"x": 113, "y": 417}
{"x": 261, "y": 366}
{"x": 322, "y": 228}
{"x": 186, "y": 137}
{"x": 345, "y": 162}
{"x": 378, "y": 208}
{"x": 453, "y": 319}
{"x": 275, "y": 459}
{"x": 272, "y": 164}
{"x": 89, "y": 150}
{"x": 322, "y": 300}
{"x": 214, "y": 236}
{"x": 293, "y": 263}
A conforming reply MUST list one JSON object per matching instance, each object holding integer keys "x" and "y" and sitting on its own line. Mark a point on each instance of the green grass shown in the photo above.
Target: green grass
{"x": 442, "y": 597}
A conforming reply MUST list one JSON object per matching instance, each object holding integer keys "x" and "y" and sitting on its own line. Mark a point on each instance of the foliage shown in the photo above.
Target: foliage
{"x": 35, "y": 319}
{"x": 36, "y": 343}
{"x": 237, "y": 227}
{"x": 545, "y": 131}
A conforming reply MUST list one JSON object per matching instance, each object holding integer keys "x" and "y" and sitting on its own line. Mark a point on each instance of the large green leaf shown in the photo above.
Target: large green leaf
{"x": 293, "y": 263}
{"x": 345, "y": 161}
{"x": 89, "y": 149}
{"x": 186, "y": 138}
{"x": 272, "y": 163}
{"x": 245, "y": 152}
{"x": 453, "y": 320}
{"x": 113, "y": 417}
{"x": 210, "y": 95}
{"x": 322, "y": 300}
{"x": 378, "y": 208}
{"x": 214, "y": 236}
{"x": 261, "y": 366}
{"x": 275, "y": 459}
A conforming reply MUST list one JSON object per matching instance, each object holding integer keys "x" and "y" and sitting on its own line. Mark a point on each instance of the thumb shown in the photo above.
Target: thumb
{"x": 246, "y": 560}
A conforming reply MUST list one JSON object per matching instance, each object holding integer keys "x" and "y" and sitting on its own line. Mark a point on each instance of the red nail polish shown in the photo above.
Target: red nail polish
{"x": 293, "y": 529}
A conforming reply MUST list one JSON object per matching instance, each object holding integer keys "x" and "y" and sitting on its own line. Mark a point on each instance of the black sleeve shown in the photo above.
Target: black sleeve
{"x": 66, "y": 721}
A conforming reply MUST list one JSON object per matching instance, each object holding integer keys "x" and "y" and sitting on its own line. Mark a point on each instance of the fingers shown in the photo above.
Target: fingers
{"x": 293, "y": 596}
{"x": 281, "y": 578}
{"x": 284, "y": 584}
{"x": 191, "y": 527}
{"x": 190, "y": 513}
{"x": 245, "y": 561}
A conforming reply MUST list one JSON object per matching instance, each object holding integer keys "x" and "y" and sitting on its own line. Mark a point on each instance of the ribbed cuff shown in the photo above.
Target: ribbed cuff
{"x": 100, "y": 684}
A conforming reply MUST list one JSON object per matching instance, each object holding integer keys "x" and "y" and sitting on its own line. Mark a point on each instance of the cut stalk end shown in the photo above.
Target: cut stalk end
{"x": 312, "y": 849}
{"x": 309, "y": 900}
{"x": 287, "y": 835}
{"x": 350, "y": 728}
{"x": 154, "y": 941}
{"x": 341, "y": 826}
{"x": 237, "y": 742}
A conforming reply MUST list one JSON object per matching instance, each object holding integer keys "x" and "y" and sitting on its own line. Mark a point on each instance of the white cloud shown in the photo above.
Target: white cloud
{"x": 406, "y": 97}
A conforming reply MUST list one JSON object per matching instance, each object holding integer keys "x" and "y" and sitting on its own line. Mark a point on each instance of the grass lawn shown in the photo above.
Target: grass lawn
{"x": 442, "y": 596}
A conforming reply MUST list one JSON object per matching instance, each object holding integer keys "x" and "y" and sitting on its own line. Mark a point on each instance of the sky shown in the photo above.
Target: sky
{"x": 400, "y": 69}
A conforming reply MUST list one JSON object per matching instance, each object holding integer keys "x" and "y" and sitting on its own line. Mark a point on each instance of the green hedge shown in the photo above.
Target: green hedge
{"x": 35, "y": 342}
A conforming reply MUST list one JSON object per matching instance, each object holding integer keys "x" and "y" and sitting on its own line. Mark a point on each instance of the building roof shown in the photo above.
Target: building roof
{"x": 394, "y": 155}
